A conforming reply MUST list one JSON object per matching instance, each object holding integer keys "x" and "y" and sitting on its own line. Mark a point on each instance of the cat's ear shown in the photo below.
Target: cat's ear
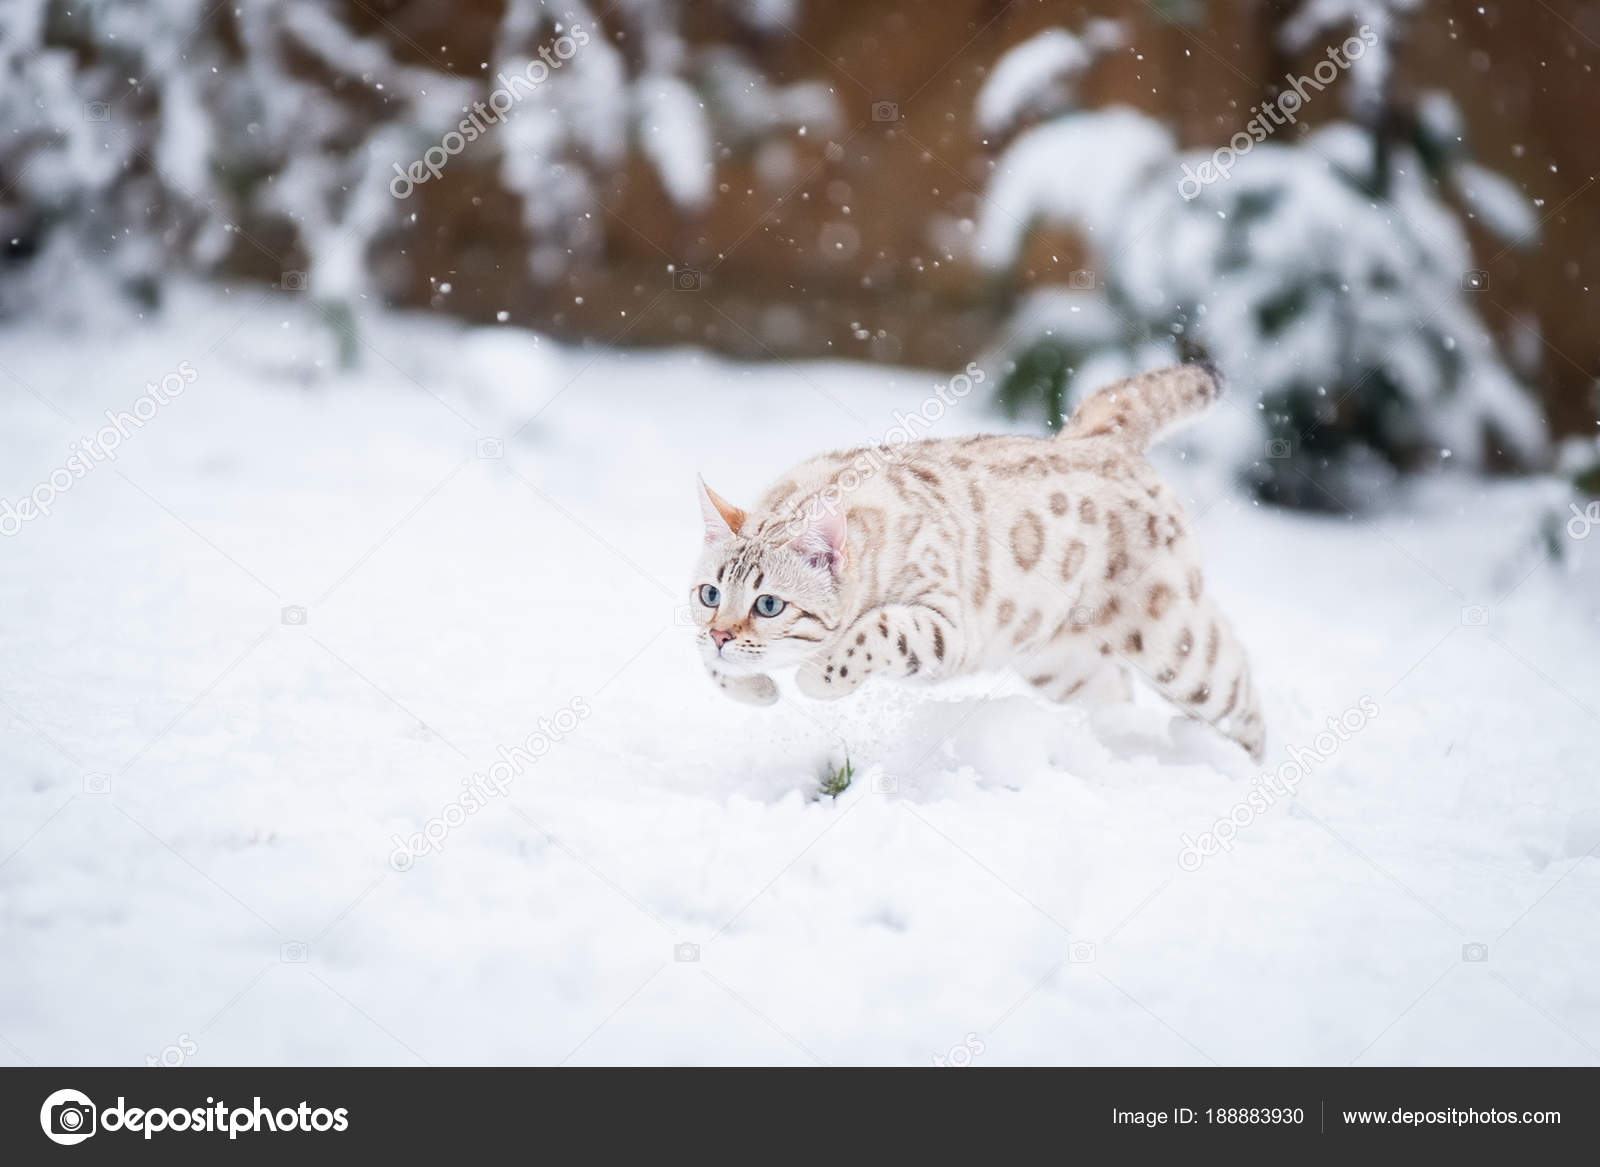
{"x": 821, "y": 539}
{"x": 722, "y": 517}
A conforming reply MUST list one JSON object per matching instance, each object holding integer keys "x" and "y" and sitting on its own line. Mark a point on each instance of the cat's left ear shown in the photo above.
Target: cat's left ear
{"x": 822, "y": 539}
{"x": 722, "y": 518}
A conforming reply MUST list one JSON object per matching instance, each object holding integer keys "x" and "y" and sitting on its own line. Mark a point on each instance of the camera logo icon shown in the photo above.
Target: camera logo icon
{"x": 97, "y": 783}
{"x": 1081, "y": 952}
{"x": 685, "y": 279}
{"x": 885, "y": 111}
{"x": 68, "y": 1117}
{"x": 1081, "y": 616}
{"x": 884, "y": 784}
{"x": 294, "y": 952}
{"x": 686, "y": 953}
{"x": 490, "y": 449}
{"x": 294, "y": 615}
{"x": 1475, "y": 953}
{"x": 1474, "y": 616}
{"x": 1278, "y": 449}
{"x": 683, "y": 616}
{"x": 1081, "y": 280}
{"x": 97, "y": 111}
{"x": 293, "y": 281}
{"x": 1475, "y": 281}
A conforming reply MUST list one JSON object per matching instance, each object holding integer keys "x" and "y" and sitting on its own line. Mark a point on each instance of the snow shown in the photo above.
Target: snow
{"x": 1039, "y": 72}
{"x": 1036, "y": 181}
{"x": 1375, "y": 285}
{"x": 457, "y": 593}
{"x": 769, "y": 16}
{"x": 1317, "y": 24}
{"x": 1079, "y": 318}
{"x": 1442, "y": 121}
{"x": 675, "y": 136}
{"x": 150, "y": 159}
{"x": 1498, "y": 202}
{"x": 750, "y": 108}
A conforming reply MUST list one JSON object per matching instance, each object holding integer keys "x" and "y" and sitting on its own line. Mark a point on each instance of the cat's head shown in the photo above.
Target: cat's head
{"x": 767, "y": 593}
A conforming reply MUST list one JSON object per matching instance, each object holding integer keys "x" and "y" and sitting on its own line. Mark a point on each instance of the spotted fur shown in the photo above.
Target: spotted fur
{"x": 1066, "y": 559}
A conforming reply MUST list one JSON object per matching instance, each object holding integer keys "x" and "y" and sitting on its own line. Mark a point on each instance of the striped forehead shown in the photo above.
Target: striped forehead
{"x": 745, "y": 564}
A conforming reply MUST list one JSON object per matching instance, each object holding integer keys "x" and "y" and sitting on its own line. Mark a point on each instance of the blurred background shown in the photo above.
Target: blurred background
{"x": 1397, "y": 271}
{"x": 357, "y": 358}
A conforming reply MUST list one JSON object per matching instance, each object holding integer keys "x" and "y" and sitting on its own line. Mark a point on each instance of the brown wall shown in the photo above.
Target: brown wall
{"x": 836, "y": 257}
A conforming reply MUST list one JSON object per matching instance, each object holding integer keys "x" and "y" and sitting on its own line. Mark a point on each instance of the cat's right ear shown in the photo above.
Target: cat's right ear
{"x": 821, "y": 538}
{"x": 722, "y": 518}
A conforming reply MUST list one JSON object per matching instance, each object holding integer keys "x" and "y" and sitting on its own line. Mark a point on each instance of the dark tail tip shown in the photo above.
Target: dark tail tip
{"x": 1219, "y": 383}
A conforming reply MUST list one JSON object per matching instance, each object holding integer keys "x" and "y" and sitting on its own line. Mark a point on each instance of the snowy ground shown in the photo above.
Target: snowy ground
{"x": 197, "y": 799}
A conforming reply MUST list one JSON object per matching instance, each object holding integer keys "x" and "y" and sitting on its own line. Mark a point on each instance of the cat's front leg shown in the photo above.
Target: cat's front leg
{"x": 898, "y": 640}
{"x": 751, "y": 688}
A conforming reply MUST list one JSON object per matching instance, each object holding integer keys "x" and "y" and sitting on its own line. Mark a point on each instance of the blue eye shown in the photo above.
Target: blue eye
{"x": 769, "y": 605}
{"x": 709, "y": 595}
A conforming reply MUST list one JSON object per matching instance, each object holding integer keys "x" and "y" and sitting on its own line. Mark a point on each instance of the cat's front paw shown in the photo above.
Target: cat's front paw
{"x": 823, "y": 680}
{"x": 758, "y": 689}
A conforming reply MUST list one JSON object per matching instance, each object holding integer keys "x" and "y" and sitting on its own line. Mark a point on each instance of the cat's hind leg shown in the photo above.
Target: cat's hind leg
{"x": 1189, "y": 652}
{"x": 1093, "y": 682}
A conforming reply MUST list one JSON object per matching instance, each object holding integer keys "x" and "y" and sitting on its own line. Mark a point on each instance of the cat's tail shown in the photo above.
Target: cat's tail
{"x": 1141, "y": 409}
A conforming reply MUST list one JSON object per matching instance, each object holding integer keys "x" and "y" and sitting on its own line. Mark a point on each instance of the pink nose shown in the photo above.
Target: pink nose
{"x": 720, "y": 636}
